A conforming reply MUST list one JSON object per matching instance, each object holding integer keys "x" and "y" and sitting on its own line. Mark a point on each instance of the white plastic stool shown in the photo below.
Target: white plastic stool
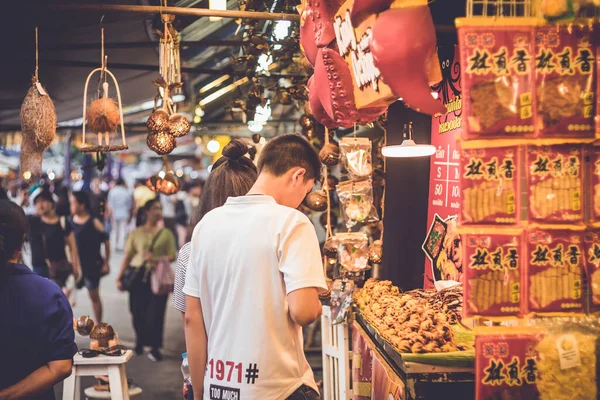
{"x": 114, "y": 367}
{"x": 336, "y": 359}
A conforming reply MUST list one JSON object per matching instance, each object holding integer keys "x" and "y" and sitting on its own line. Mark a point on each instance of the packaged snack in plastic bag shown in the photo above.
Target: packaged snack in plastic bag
{"x": 554, "y": 182}
{"x": 341, "y": 300}
{"x": 565, "y": 87}
{"x": 594, "y": 183}
{"x": 356, "y": 156}
{"x": 506, "y": 362}
{"x": 498, "y": 78}
{"x": 591, "y": 243}
{"x": 555, "y": 265}
{"x": 356, "y": 200}
{"x": 353, "y": 251}
{"x": 493, "y": 259}
{"x": 567, "y": 358}
{"x": 490, "y": 185}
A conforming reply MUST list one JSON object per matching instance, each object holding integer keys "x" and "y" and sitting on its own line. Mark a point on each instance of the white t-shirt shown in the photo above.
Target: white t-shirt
{"x": 245, "y": 258}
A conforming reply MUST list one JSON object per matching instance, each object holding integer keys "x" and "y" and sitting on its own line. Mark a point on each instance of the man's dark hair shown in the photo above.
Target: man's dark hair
{"x": 120, "y": 182}
{"x": 44, "y": 195}
{"x": 285, "y": 152}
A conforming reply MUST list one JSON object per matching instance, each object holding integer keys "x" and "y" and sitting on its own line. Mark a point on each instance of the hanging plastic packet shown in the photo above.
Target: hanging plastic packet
{"x": 564, "y": 80}
{"x": 356, "y": 155}
{"x": 506, "y": 363}
{"x": 555, "y": 182}
{"x": 591, "y": 243}
{"x": 498, "y": 77}
{"x": 356, "y": 200}
{"x": 353, "y": 251}
{"x": 555, "y": 265}
{"x": 492, "y": 283}
{"x": 490, "y": 184}
{"x": 341, "y": 300}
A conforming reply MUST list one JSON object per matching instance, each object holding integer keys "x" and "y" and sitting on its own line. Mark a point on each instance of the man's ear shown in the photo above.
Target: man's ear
{"x": 298, "y": 175}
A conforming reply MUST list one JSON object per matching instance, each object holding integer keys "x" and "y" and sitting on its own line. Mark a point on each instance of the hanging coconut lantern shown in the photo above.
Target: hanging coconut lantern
{"x": 84, "y": 325}
{"x": 376, "y": 251}
{"x": 161, "y": 143}
{"x": 178, "y": 125}
{"x": 306, "y": 121}
{"x": 158, "y": 121}
{"x": 38, "y": 127}
{"x": 330, "y": 154}
{"x": 165, "y": 183}
{"x": 323, "y": 220}
{"x": 317, "y": 200}
{"x": 256, "y": 138}
{"x": 330, "y": 248}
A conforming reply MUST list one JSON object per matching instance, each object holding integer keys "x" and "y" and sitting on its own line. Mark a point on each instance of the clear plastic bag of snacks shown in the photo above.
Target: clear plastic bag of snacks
{"x": 567, "y": 358}
{"x": 555, "y": 182}
{"x": 498, "y": 78}
{"x": 494, "y": 266}
{"x": 591, "y": 243}
{"x": 565, "y": 80}
{"x": 356, "y": 156}
{"x": 555, "y": 265}
{"x": 356, "y": 200}
{"x": 490, "y": 179}
{"x": 341, "y": 300}
{"x": 506, "y": 363}
{"x": 353, "y": 251}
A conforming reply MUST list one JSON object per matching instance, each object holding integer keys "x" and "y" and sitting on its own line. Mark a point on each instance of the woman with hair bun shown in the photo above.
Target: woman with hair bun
{"x": 231, "y": 176}
{"x": 37, "y": 341}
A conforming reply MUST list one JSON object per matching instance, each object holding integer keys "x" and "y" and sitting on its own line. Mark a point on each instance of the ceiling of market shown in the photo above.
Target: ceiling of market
{"x": 69, "y": 48}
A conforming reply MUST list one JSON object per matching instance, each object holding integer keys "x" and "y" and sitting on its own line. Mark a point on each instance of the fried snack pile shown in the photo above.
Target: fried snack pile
{"x": 448, "y": 301}
{"x": 578, "y": 382}
{"x": 408, "y": 322}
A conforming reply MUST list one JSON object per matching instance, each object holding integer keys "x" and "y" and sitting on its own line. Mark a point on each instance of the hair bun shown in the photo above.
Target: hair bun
{"x": 235, "y": 149}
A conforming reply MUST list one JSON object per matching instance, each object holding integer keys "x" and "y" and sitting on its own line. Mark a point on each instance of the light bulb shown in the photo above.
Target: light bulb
{"x": 213, "y": 146}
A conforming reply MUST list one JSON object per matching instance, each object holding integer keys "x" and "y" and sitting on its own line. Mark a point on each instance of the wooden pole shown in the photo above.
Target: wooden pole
{"x": 195, "y": 12}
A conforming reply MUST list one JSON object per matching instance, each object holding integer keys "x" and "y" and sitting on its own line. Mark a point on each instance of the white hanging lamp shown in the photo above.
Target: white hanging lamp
{"x": 408, "y": 148}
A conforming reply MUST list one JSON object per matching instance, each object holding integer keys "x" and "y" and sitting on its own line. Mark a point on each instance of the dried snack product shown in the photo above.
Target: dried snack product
{"x": 567, "y": 361}
{"x": 356, "y": 156}
{"x": 506, "y": 363}
{"x": 356, "y": 200}
{"x": 489, "y": 185}
{"x": 498, "y": 79}
{"x": 353, "y": 251}
{"x": 594, "y": 183}
{"x": 591, "y": 243}
{"x": 555, "y": 265}
{"x": 554, "y": 182}
{"x": 564, "y": 66}
{"x": 492, "y": 282}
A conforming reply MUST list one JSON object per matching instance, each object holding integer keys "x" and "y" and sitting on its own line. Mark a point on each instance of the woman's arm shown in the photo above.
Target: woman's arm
{"x": 196, "y": 342}
{"x": 42, "y": 379}
{"x": 74, "y": 256}
{"x": 100, "y": 228}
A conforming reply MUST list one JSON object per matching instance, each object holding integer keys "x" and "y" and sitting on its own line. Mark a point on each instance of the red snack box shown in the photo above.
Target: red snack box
{"x": 555, "y": 264}
{"x": 565, "y": 84}
{"x": 498, "y": 80}
{"x": 492, "y": 283}
{"x": 506, "y": 363}
{"x": 554, "y": 183}
{"x": 594, "y": 183}
{"x": 490, "y": 185}
{"x": 591, "y": 243}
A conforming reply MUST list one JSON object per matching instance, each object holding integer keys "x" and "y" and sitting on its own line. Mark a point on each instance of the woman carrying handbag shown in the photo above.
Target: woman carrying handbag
{"x": 147, "y": 246}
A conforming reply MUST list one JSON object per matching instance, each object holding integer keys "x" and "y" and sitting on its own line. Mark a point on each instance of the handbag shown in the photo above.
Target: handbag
{"x": 130, "y": 276}
{"x": 60, "y": 268}
{"x": 162, "y": 279}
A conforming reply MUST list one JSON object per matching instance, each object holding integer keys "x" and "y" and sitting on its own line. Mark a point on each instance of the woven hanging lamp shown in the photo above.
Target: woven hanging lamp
{"x": 104, "y": 114}
{"x": 164, "y": 182}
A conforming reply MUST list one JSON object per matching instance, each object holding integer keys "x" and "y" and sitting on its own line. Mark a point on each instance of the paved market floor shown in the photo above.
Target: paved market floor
{"x": 159, "y": 381}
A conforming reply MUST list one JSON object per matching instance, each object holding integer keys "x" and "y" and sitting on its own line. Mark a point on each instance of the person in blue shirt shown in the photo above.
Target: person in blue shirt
{"x": 37, "y": 340}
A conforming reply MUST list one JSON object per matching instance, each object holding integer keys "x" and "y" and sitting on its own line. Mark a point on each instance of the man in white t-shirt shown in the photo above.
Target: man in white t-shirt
{"x": 252, "y": 282}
